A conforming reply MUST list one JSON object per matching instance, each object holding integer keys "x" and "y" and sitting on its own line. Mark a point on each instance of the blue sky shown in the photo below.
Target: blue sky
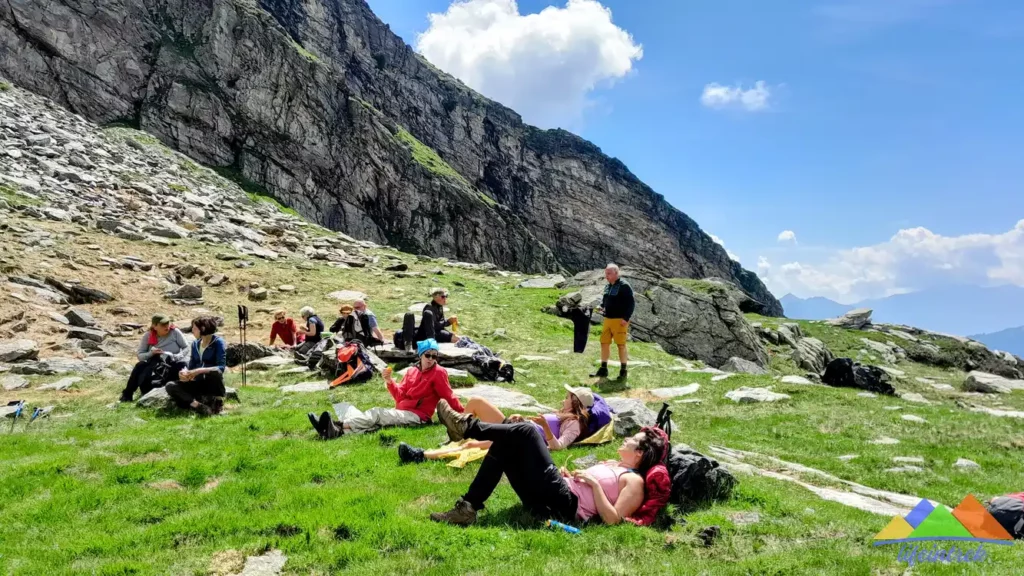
{"x": 883, "y": 115}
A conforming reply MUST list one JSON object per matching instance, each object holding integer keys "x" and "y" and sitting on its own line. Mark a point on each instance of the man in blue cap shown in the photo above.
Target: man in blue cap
{"x": 423, "y": 386}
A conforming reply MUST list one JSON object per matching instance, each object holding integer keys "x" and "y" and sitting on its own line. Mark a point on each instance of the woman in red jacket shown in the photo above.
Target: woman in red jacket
{"x": 423, "y": 386}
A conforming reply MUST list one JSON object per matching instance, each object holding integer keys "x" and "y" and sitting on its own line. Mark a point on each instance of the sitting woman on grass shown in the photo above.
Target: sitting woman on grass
{"x": 560, "y": 429}
{"x": 423, "y": 386}
{"x": 634, "y": 488}
{"x": 163, "y": 343}
{"x": 204, "y": 377}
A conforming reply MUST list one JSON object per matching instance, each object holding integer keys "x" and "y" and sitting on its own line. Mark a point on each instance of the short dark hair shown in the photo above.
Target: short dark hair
{"x": 206, "y": 325}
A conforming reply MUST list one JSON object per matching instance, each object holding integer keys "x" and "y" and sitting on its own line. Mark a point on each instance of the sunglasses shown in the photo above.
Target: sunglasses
{"x": 431, "y": 355}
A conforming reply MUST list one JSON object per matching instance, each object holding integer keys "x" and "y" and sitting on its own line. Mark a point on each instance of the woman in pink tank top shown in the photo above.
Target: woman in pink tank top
{"x": 612, "y": 490}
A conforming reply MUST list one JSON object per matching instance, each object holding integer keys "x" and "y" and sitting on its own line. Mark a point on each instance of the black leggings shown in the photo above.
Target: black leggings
{"x": 520, "y": 453}
{"x": 144, "y": 377}
{"x": 208, "y": 384}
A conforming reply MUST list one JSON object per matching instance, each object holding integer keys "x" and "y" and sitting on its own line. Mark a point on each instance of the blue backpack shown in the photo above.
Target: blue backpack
{"x": 600, "y": 415}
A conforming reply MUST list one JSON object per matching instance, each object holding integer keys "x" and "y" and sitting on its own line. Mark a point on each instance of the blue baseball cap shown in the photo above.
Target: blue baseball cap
{"x": 424, "y": 345}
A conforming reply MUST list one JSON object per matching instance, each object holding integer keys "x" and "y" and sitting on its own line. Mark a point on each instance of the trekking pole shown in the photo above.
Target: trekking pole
{"x": 243, "y": 321}
{"x": 17, "y": 413}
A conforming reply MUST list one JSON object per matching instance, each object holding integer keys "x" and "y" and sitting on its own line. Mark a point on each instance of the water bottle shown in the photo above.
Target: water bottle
{"x": 565, "y": 527}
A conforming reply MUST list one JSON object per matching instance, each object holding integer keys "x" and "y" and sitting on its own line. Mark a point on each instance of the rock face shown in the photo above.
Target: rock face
{"x": 707, "y": 327}
{"x": 845, "y": 373}
{"x": 320, "y": 103}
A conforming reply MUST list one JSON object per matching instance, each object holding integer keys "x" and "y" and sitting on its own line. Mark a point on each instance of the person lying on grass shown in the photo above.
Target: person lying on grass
{"x": 613, "y": 490}
{"x": 560, "y": 429}
{"x": 423, "y": 386}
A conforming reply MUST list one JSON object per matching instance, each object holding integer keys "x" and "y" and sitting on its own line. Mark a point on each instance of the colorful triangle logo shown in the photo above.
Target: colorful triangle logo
{"x": 898, "y": 529}
{"x": 976, "y": 519}
{"x": 940, "y": 524}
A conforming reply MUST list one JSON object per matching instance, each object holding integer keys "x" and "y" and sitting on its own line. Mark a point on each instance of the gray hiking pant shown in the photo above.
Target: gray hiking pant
{"x": 375, "y": 418}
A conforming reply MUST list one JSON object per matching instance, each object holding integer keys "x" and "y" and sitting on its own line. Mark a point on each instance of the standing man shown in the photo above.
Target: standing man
{"x": 617, "y": 307}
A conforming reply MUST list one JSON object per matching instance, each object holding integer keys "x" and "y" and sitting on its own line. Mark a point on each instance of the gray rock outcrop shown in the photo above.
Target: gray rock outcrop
{"x": 812, "y": 354}
{"x": 738, "y": 365}
{"x": 990, "y": 383}
{"x": 334, "y": 115}
{"x": 695, "y": 325}
{"x": 18, "y": 350}
{"x": 854, "y": 319}
{"x": 631, "y": 415}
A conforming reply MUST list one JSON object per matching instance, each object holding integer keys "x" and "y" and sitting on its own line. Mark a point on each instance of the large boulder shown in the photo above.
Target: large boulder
{"x": 504, "y": 398}
{"x": 745, "y": 302}
{"x": 237, "y": 353}
{"x": 18, "y": 350}
{"x": 746, "y": 395}
{"x": 549, "y": 281}
{"x": 812, "y": 355}
{"x": 984, "y": 382}
{"x": 854, "y": 319}
{"x": 845, "y": 373}
{"x": 738, "y": 365}
{"x": 631, "y": 415}
{"x": 692, "y": 324}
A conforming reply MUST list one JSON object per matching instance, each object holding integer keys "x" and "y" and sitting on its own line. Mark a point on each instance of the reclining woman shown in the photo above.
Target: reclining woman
{"x": 163, "y": 343}
{"x": 423, "y": 386}
{"x": 560, "y": 429}
{"x": 613, "y": 490}
{"x": 204, "y": 377}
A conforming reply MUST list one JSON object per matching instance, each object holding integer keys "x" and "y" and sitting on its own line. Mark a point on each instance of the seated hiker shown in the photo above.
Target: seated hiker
{"x": 203, "y": 379}
{"x": 560, "y": 429}
{"x": 285, "y": 329}
{"x": 162, "y": 347}
{"x": 433, "y": 323}
{"x": 614, "y": 491}
{"x": 343, "y": 313}
{"x": 371, "y": 318}
{"x": 311, "y": 330}
{"x": 423, "y": 386}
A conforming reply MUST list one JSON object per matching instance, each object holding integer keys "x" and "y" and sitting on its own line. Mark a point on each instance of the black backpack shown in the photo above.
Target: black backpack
{"x": 665, "y": 420}
{"x": 1009, "y": 512}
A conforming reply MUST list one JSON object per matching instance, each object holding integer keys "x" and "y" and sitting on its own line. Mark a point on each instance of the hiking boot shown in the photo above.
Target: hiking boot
{"x": 125, "y": 397}
{"x": 602, "y": 372}
{"x": 204, "y": 410}
{"x": 315, "y": 422}
{"x": 456, "y": 423}
{"x": 622, "y": 374}
{"x": 409, "y": 454}
{"x": 462, "y": 514}
{"x": 327, "y": 428}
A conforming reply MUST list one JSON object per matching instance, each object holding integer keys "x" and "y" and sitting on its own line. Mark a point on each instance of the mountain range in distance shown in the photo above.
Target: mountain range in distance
{"x": 991, "y": 315}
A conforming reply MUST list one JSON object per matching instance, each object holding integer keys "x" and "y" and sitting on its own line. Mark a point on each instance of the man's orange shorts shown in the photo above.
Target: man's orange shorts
{"x": 614, "y": 329}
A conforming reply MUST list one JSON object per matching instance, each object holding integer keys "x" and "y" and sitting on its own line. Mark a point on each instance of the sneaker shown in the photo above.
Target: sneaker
{"x": 602, "y": 372}
{"x": 125, "y": 398}
{"x": 456, "y": 423}
{"x": 462, "y": 514}
{"x": 409, "y": 454}
{"x": 622, "y": 374}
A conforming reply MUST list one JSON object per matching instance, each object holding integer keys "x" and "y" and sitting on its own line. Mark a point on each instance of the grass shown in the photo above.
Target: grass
{"x": 427, "y": 157}
{"x": 4, "y": 86}
{"x": 271, "y": 200}
{"x": 701, "y": 286}
{"x": 78, "y": 496}
{"x": 9, "y": 193}
{"x": 305, "y": 53}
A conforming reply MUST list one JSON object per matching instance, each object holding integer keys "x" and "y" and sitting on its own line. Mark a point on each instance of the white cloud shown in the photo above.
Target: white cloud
{"x": 753, "y": 99}
{"x": 913, "y": 259}
{"x": 718, "y": 241}
{"x": 787, "y": 236}
{"x": 542, "y": 65}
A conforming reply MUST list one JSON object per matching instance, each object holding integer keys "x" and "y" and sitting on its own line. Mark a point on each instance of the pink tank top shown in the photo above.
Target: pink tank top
{"x": 607, "y": 477}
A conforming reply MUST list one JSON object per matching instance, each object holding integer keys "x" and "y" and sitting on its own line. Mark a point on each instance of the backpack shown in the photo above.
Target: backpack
{"x": 405, "y": 339}
{"x": 352, "y": 368}
{"x": 665, "y": 420}
{"x": 600, "y": 414}
{"x": 315, "y": 354}
{"x": 697, "y": 480}
{"x": 1009, "y": 512}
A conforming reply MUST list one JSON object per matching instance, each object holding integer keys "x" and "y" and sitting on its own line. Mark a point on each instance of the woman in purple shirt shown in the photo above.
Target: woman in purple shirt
{"x": 559, "y": 430}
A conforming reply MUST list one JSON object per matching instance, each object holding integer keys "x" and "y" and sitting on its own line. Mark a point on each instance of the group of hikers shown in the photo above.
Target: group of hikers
{"x": 632, "y": 488}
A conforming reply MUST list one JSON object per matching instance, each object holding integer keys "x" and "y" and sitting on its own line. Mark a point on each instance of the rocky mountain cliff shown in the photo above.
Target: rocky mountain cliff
{"x": 320, "y": 104}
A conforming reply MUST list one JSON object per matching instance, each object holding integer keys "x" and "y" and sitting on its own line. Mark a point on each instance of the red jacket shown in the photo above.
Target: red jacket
{"x": 420, "y": 392}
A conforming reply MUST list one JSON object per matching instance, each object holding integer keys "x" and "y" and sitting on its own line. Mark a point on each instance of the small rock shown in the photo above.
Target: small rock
{"x": 258, "y": 294}
{"x": 666, "y": 393}
{"x": 307, "y": 387}
{"x": 269, "y": 564}
{"x": 80, "y": 318}
{"x": 745, "y": 518}
{"x": 186, "y": 292}
{"x": 397, "y": 268}
{"x": 908, "y": 460}
{"x": 62, "y": 384}
{"x": 914, "y": 397}
{"x": 964, "y": 463}
{"x": 913, "y": 418}
{"x": 286, "y": 288}
{"x": 155, "y": 398}
{"x": 905, "y": 469}
{"x": 350, "y": 295}
{"x": 13, "y": 382}
{"x": 58, "y": 318}
{"x": 791, "y": 379}
{"x": 18, "y": 350}
{"x": 848, "y": 457}
{"x": 549, "y": 281}
{"x": 90, "y": 334}
{"x": 721, "y": 377}
{"x": 216, "y": 280}
{"x": 529, "y": 358}
{"x": 867, "y": 394}
{"x": 747, "y": 395}
{"x": 268, "y": 363}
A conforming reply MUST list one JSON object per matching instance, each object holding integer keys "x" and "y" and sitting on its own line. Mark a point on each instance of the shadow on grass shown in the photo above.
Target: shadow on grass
{"x": 606, "y": 385}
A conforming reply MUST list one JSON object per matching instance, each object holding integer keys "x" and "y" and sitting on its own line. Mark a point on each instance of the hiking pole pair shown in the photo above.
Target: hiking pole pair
{"x": 17, "y": 413}
{"x": 243, "y": 323}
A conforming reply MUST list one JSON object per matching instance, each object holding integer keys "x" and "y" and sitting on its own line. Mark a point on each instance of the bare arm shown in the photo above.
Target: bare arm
{"x": 631, "y": 496}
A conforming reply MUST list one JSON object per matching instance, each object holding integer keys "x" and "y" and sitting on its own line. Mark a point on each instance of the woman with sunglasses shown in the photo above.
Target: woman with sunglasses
{"x": 424, "y": 385}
